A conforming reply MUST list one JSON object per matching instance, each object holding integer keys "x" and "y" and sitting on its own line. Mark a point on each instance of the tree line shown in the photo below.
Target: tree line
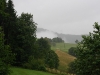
{"x": 19, "y": 45}
{"x": 54, "y": 40}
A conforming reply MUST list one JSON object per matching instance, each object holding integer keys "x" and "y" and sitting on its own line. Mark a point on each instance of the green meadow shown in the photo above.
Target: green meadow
{"x": 20, "y": 71}
{"x": 63, "y": 46}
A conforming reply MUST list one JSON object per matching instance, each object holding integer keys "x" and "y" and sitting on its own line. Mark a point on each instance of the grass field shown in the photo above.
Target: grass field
{"x": 61, "y": 49}
{"x": 65, "y": 59}
{"x": 63, "y": 46}
{"x": 20, "y": 71}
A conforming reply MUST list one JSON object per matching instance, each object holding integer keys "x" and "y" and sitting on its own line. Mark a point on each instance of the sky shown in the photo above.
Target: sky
{"x": 62, "y": 16}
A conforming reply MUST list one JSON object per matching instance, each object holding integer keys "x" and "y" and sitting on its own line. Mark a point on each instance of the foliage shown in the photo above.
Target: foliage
{"x": 42, "y": 48}
{"x": 6, "y": 56}
{"x": 72, "y": 51}
{"x": 35, "y": 64}
{"x": 76, "y": 41}
{"x": 71, "y": 68}
{"x": 52, "y": 60}
{"x": 88, "y": 53}
{"x": 57, "y": 40}
{"x": 24, "y": 45}
{"x": 43, "y": 52}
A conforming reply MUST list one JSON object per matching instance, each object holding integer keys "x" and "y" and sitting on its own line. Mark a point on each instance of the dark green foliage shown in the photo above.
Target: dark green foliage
{"x": 4, "y": 68}
{"x": 25, "y": 38}
{"x": 88, "y": 53}
{"x": 76, "y": 41}
{"x": 35, "y": 64}
{"x": 3, "y": 14}
{"x": 36, "y": 61}
{"x": 72, "y": 68}
{"x": 50, "y": 41}
{"x": 44, "y": 53}
{"x": 72, "y": 51}
{"x": 43, "y": 48}
{"x": 52, "y": 60}
{"x": 57, "y": 40}
{"x": 10, "y": 26}
{"x": 6, "y": 57}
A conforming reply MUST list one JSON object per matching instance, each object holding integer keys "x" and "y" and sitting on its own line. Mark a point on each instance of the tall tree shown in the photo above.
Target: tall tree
{"x": 88, "y": 53}
{"x": 3, "y": 14}
{"x": 25, "y": 38}
{"x": 5, "y": 55}
{"x": 51, "y": 60}
{"x": 43, "y": 47}
{"x": 10, "y": 28}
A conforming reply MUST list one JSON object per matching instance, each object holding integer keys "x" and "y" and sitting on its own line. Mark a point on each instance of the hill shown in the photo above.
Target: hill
{"x": 20, "y": 71}
{"x": 65, "y": 59}
{"x": 68, "y": 38}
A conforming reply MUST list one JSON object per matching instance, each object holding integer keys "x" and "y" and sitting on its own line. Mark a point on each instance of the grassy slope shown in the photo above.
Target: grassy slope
{"x": 65, "y": 59}
{"x": 61, "y": 50}
{"x": 63, "y": 46}
{"x": 20, "y": 71}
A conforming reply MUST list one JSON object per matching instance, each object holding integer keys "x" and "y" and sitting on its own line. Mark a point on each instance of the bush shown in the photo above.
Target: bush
{"x": 72, "y": 68}
{"x": 4, "y": 68}
{"x": 72, "y": 51}
{"x": 35, "y": 65}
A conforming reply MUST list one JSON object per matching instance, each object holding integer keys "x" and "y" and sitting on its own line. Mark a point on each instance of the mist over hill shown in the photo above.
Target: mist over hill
{"x": 68, "y": 38}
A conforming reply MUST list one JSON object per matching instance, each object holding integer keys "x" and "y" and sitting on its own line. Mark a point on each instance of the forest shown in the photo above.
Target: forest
{"x": 19, "y": 46}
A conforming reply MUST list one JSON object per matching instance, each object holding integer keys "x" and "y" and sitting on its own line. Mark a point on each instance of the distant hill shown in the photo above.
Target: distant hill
{"x": 68, "y": 38}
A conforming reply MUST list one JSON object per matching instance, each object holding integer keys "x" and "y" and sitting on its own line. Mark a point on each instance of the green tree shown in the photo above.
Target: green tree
{"x": 6, "y": 57}
{"x": 52, "y": 60}
{"x": 25, "y": 38}
{"x": 3, "y": 14}
{"x": 76, "y": 41}
{"x": 88, "y": 53}
{"x": 43, "y": 47}
{"x": 57, "y": 40}
{"x": 10, "y": 26}
{"x": 72, "y": 51}
{"x": 37, "y": 60}
{"x": 72, "y": 68}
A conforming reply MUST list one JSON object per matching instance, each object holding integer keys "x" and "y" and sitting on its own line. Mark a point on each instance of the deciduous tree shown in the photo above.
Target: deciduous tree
{"x": 88, "y": 53}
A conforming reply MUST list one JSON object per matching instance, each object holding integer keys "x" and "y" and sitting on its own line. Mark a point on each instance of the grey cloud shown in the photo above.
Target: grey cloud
{"x": 63, "y": 16}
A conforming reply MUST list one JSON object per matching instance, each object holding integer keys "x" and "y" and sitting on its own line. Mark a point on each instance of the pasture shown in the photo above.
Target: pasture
{"x": 63, "y": 46}
{"x": 20, "y": 71}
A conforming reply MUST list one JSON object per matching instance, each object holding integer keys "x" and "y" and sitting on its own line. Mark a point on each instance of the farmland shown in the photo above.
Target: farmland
{"x": 63, "y": 46}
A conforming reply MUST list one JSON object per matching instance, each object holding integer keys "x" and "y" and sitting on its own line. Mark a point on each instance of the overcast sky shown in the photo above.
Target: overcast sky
{"x": 63, "y": 16}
